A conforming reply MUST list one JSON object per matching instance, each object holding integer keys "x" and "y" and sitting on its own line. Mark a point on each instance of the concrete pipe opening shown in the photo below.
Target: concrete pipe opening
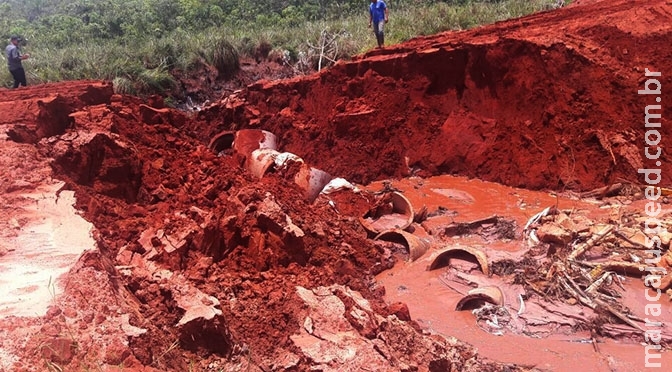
{"x": 394, "y": 212}
{"x": 461, "y": 253}
{"x": 478, "y": 297}
{"x": 222, "y": 141}
{"x": 416, "y": 246}
{"x": 261, "y": 161}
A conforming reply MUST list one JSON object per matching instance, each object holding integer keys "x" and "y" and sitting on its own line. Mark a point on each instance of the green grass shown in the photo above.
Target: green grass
{"x": 146, "y": 62}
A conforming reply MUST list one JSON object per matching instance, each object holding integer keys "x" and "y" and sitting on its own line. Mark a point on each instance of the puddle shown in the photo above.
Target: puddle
{"x": 46, "y": 247}
{"x": 431, "y": 302}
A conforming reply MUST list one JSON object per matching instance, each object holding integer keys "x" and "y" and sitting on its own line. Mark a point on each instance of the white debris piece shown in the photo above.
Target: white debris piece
{"x": 284, "y": 158}
{"x": 338, "y": 184}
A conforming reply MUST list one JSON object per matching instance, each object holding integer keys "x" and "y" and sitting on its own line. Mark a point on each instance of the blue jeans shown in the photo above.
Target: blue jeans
{"x": 378, "y": 29}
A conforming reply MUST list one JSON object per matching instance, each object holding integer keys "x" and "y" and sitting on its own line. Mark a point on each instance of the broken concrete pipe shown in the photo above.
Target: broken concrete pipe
{"x": 244, "y": 141}
{"x": 416, "y": 246}
{"x": 248, "y": 140}
{"x": 396, "y": 212}
{"x": 259, "y": 148}
{"x": 476, "y": 298}
{"x": 312, "y": 181}
{"x": 261, "y": 161}
{"x": 464, "y": 253}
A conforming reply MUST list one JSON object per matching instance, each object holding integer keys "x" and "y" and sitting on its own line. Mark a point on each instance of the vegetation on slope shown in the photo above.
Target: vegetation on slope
{"x": 138, "y": 43}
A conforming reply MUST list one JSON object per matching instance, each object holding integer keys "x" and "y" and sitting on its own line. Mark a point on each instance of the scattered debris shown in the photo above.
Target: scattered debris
{"x": 490, "y": 228}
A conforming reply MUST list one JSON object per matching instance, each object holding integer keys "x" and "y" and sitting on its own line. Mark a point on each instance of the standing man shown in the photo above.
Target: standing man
{"x": 14, "y": 58}
{"x": 378, "y": 17}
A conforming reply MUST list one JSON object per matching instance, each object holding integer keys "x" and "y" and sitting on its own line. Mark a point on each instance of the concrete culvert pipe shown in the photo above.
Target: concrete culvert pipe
{"x": 222, "y": 141}
{"x": 394, "y": 212}
{"x": 248, "y": 140}
{"x": 416, "y": 246}
{"x": 261, "y": 161}
{"x": 477, "y": 297}
{"x": 312, "y": 181}
{"x": 464, "y": 253}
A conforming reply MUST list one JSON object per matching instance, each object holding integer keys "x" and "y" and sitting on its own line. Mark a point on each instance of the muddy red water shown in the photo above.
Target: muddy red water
{"x": 199, "y": 266}
{"x": 432, "y": 303}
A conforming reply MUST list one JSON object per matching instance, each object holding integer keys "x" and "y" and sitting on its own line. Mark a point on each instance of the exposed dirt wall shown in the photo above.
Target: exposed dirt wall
{"x": 548, "y": 101}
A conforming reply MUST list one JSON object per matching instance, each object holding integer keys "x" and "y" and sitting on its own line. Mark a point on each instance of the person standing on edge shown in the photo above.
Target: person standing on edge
{"x": 14, "y": 58}
{"x": 378, "y": 17}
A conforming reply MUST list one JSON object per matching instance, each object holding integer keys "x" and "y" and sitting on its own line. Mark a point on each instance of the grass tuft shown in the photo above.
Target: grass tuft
{"x": 122, "y": 85}
{"x": 224, "y": 57}
{"x": 155, "y": 81}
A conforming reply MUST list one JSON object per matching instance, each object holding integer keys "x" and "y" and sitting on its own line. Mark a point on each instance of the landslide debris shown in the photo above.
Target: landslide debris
{"x": 202, "y": 266}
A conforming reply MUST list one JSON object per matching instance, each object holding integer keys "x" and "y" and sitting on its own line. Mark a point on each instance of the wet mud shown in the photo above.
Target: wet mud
{"x": 433, "y": 291}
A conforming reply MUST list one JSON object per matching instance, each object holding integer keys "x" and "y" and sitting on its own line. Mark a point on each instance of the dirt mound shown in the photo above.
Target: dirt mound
{"x": 43, "y": 111}
{"x": 203, "y": 262}
{"x": 199, "y": 263}
{"x": 547, "y": 101}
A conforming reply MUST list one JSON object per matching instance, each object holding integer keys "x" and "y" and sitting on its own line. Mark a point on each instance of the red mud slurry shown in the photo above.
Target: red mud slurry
{"x": 432, "y": 303}
{"x": 473, "y": 199}
{"x": 201, "y": 266}
{"x": 44, "y": 242}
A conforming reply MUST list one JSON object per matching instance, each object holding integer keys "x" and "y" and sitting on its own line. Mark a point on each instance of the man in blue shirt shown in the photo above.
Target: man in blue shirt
{"x": 14, "y": 58}
{"x": 378, "y": 17}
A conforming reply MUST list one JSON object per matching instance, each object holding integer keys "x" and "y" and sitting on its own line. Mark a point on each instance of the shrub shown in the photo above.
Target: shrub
{"x": 262, "y": 50}
{"x": 155, "y": 81}
{"x": 70, "y": 62}
{"x": 246, "y": 47}
{"x": 161, "y": 52}
{"x": 224, "y": 57}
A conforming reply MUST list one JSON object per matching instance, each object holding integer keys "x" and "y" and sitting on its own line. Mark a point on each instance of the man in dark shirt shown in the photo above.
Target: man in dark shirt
{"x": 14, "y": 58}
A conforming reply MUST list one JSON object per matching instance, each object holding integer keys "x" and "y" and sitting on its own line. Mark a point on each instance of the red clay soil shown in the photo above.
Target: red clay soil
{"x": 548, "y": 101}
{"x": 176, "y": 223}
{"x": 180, "y": 229}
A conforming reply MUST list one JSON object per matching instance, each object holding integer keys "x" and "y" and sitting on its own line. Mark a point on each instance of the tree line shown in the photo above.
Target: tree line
{"x": 143, "y": 41}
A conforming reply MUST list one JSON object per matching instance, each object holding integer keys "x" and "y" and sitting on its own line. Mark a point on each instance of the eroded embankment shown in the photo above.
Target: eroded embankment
{"x": 200, "y": 265}
{"x": 549, "y": 101}
{"x": 42, "y": 111}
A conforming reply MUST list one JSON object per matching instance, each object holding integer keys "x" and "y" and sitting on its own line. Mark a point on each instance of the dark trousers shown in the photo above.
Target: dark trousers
{"x": 19, "y": 77}
{"x": 378, "y": 29}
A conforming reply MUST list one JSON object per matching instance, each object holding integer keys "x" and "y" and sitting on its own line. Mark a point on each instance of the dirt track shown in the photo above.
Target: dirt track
{"x": 202, "y": 266}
